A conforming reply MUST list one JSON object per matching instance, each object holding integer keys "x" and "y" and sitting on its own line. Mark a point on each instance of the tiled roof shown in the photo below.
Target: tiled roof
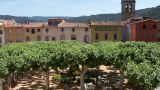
{"x": 37, "y": 24}
{"x": 106, "y": 23}
{"x": 145, "y": 21}
{"x": 76, "y": 24}
{"x": 8, "y": 23}
{"x": 136, "y": 19}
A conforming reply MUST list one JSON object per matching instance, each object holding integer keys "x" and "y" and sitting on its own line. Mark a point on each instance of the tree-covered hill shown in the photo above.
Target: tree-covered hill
{"x": 149, "y": 12}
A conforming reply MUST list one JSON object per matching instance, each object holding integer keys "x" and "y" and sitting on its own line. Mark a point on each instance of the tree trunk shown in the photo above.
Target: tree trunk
{"x": 10, "y": 82}
{"x": 97, "y": 73}
{"x": 57, "y": 70}
{"x": 47, "y": 79}
{"x": 15, "y": 77}
{"x": 121, "y": 79}
{"x": 1, "y": 85}
{"x": 84, "y": 70}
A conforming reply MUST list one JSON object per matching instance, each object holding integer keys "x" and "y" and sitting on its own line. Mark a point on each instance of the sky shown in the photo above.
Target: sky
{"x": 66, "y": 7}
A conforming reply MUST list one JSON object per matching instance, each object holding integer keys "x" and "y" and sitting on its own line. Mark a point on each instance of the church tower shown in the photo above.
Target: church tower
{"x": 128, "y": 9}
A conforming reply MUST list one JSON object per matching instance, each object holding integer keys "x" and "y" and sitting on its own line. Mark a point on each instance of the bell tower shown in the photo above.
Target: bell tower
{"x": 128, "y": 9}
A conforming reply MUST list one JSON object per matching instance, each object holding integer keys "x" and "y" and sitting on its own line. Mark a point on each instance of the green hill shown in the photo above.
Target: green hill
{"x": 149, "y": 12}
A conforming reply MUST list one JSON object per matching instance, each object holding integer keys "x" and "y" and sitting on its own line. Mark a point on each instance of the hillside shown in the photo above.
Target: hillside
{"x": 150, "y": 12}
{"x": 18, "y": 19}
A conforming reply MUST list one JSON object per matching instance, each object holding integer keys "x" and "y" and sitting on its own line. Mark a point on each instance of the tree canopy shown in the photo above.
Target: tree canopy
{"x": 140, "y": 61}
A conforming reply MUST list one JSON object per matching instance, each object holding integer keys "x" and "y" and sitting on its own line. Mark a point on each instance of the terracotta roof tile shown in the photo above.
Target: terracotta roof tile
{"x": 145, "y": 21}
{"x": 76, "y": 24}
{"x": 37, "y": 24}
{"x": 106, "y": 23}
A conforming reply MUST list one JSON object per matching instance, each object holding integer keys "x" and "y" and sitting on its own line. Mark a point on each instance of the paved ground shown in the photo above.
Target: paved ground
{"x": 36, "y": 81}
{"x": 158, "y": 88}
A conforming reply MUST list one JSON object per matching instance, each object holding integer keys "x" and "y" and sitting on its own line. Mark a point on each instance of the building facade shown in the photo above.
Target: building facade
{"x": 63, "y": 30}
{"x": 137, "y": 29}
{"x": 33, "y": 31}
{"x": 159, "y": 32}
{"x": 106, "y": 32}
{"x": 128, "y": 9}
{"x": 2, "y": 34}
{"x": 144, "y": 30}
{"x": 14, "y": 34}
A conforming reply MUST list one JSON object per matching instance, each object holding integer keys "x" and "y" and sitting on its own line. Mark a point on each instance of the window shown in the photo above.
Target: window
{"x": 47, "y": 30}
{"x": 154, "y": 26}
{"x": 86, "y": 39}
{"x": 27, "y": 38}
{"x": 144, "y": 35}
{"x": 73, "y": 29}
{"x": 86, "y": 29}
{"x": 62, "y": 37}
{"x": 33, "y": 31}
{"x": 39, "y": 30}
{"x": 53, "y": 38}
{"x": 115, "y": 36}
{"x": 27, "y": 30}
{"x": 106, "y": 36}
{"x": 39, "y": 38}
{"x": 73, "y": 37}
{"x": 47, "y": 38}
{"x": 130, "y": 8}
{"x": 1, "y": 32}
{"x": 153, "y": 36}
{"x": 144, "y": 26}
{"x": 158, "y": 36}
{"x": 62, "y": 29}
{"x": 97, "y": 36}
{"x": 126, "y": 7}
{"x": 50, "y": 23}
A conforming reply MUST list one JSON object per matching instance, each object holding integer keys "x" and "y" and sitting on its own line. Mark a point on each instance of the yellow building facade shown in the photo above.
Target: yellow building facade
{"x": 106, "y": 32}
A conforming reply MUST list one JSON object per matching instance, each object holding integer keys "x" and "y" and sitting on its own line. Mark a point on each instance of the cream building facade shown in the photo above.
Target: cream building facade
{"x": 66, "y": 31}
{"x": 2, "y": 34}
{"x": 53, "y": 30}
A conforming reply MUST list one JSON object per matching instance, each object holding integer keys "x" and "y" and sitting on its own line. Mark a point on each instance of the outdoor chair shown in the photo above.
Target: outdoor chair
{"x": 89, "y": 86}
{"x": 106, "y": 83}
{"x": 107, "y": 88}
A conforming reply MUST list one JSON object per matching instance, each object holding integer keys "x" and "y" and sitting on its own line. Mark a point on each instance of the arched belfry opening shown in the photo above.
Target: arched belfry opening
{"x": 128, "y": 9}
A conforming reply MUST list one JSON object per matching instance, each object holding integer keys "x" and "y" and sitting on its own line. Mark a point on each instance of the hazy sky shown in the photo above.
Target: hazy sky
{"x": 66, "y": 7}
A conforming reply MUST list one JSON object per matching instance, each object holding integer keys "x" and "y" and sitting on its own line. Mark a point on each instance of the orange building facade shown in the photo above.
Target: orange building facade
{"x": 143, "y": 30}
{"x": 159, "y": 31}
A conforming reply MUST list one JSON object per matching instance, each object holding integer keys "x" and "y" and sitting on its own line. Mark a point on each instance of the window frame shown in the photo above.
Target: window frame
{"x": 97, "y": 36}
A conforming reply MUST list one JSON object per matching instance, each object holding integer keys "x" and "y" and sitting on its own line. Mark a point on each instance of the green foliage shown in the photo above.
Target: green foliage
{"x": 57, "y": 77}
{"x": 140, "y": 61}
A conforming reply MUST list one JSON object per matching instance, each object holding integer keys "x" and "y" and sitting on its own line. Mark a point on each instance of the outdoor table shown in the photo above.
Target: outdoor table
{"x": 91, "y": 87}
